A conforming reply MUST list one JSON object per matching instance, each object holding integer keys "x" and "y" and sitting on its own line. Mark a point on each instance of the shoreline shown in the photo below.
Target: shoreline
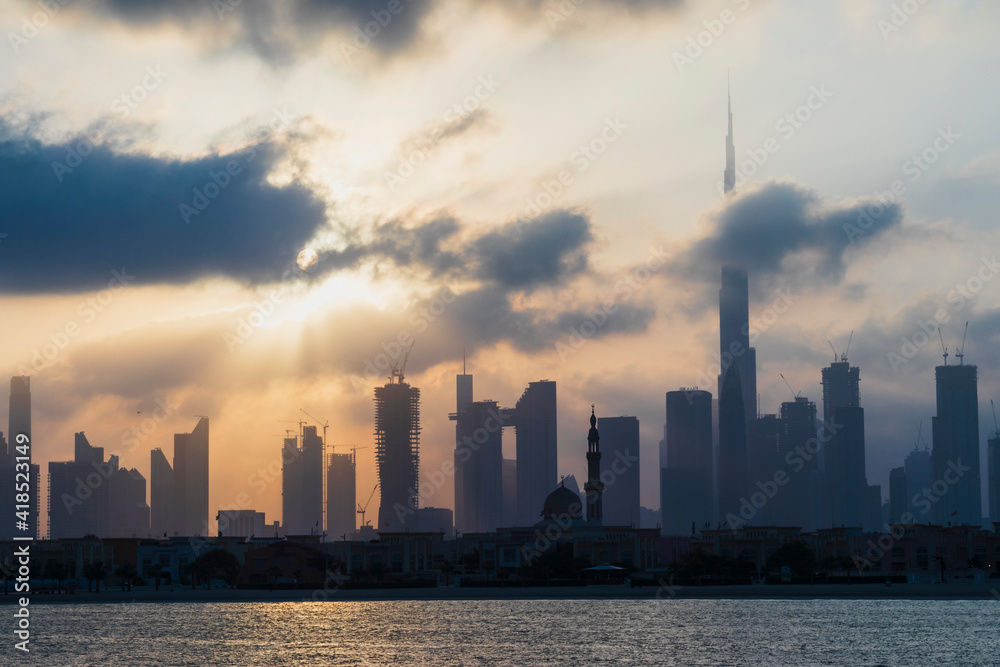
{"x": 989, "y": 591}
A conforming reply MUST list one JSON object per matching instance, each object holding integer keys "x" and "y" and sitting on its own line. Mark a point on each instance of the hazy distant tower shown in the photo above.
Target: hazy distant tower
{"x": 536, "y": 435}
{"x": 729, "y": 176}
{"x": 191, "y": 479}
{"x": 955, "y": 445}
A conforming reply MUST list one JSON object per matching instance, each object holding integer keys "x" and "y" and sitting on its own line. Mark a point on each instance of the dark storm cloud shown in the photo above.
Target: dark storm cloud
{"x": 74, "y": 212}
{"x": 487, "y": 316}
{"x": 784, "y": 228}
{"x": 544, "y": 251}
{"x": 279, "y": 32}
{"x": 519, "y": 256}
{"x": 275, "y": 31}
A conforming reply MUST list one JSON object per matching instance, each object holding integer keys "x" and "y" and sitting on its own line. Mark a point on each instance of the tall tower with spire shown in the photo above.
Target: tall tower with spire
{"x": 594, "y": 488}
{"x": 729, "y": 176}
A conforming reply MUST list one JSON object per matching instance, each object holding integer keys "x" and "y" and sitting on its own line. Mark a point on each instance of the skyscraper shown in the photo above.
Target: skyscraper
{"x": 162, "y": 498}
{"x": 78, "y": 492}
{"x": 534, "y": 420}
{"x": 733, "y": 471}
{"x": 686, "y": 495}
{"x": 993, "y": 459}
{"x": 919, "y": 476}
{"x": 765, "y": 435}
{"x": 397, "y": 450}
{"x": 292, "y": 502}
{"x": 594, "y": 488}
{"x": 17, "y": 448}
{"x": 479, "y": 468}
{"x": 955, "y": 446}
{"x": 795, "y": 500}
{"x": 729, "y": 176}
{"x": 302, "y": 484}
{"x": 898, "y": 497}
{"x": 341, "y": 496}
{"x": 737, "y": 388}
{"x": 620, "y": 470}
{"x": 843, "y": 457}
{"x": 509, "y": 513}
{"x": 191, "y": 480}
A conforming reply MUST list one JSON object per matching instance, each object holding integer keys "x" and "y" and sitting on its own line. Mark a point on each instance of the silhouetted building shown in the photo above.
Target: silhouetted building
{"x": 993, "y": 461}
{"x": 509, "y": 513}
{"x": 955, "y": 447}
{"x": 686, "y": 495}
{"x": 729, "y": 175}
{"x": 594, "y": 488}
{"x": 796, "y": 501}
{"x": 128, "y": 512}
{"x": 898, "y": 498}
{"x": 843, "y": 456}
{"x": 535, "y": 433}
{"x": 737, "y": 388}
{"x": 312, "y": 480}
{"x": 241, "y": 523}
{"x": 91, "y": 496}
{"x": 435, "y": 520}
{"x": 764, "y": 439}
{"x": 292, "y": 501}
{"x": 479, "y": 468}
{"x": 162, "y": 502}
{"x": 19, "y": 450}
{"x": 919, "y": 476}
{"x": 341, "y": 496}
{"x": 191, "y": 480}
{"x": 397, "y": 450}
{"x": 620, "y": 470}
{"x": 871, "y": 517}
{"x": 733, "y": 473}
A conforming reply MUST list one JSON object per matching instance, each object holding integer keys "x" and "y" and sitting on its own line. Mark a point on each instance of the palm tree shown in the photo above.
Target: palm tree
{"x": 155, "y": 571}
{"x": 94, "y": 571}
{"x": 447, "y": 568}
{"x": 377, "y": 570}
{"x": 275, "y": 572}
{"x": 127, "y": 572}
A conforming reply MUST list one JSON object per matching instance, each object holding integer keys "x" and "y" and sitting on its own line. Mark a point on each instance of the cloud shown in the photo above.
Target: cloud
{"x": 783, "y": 228}
{"x": 281, "y": 32}
{"x": 545, "y": 251}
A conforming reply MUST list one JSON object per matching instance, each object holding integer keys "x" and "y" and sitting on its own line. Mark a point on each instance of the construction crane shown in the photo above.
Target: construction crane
{"x": 848, "y": 350}
{"x": 920, "y": 428}
{"x": 300, "y": 422}
{"x": 943, "y": 348}
{"x": 325, "y": 425}
{"x": 794, "y": 394}
{"x": 399, "y": 371}
{"x": 355, "y": 450}
{"x": 961, "y": 351}
{"x": 362, "y": 510}
{"x": 830, "y": 343}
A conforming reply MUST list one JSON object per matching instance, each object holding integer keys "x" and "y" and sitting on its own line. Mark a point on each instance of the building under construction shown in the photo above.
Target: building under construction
{"x": 341, "y": 492}
{"x": 397, "y": 450}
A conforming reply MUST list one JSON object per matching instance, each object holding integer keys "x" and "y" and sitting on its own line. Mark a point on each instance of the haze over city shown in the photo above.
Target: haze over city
{"x": 493, "y": 115}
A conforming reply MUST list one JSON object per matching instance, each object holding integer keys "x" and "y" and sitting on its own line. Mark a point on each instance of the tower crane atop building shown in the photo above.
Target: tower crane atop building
{"x": 944, "y": 350}
{"x": 363, "y": 509}
{"x": 397, "y": 373}
{"x": 961, "y": 351}
{"x": 325, "y": 424}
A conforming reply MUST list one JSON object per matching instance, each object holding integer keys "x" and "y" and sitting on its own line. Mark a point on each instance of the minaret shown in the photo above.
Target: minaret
{"x": 729, "y": 177}
{"x": 594, "y": 487}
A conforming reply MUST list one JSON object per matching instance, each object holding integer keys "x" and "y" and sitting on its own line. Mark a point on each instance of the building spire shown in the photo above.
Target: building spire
{"x": 729, "y": 176}
{"x": 594, "y": 488}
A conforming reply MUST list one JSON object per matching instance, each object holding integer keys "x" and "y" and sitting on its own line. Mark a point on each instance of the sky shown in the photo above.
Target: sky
{"x": 537, "y": 183}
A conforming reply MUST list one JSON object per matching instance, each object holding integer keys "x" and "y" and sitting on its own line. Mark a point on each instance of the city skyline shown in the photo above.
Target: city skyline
{"x": 252, "y": 348}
